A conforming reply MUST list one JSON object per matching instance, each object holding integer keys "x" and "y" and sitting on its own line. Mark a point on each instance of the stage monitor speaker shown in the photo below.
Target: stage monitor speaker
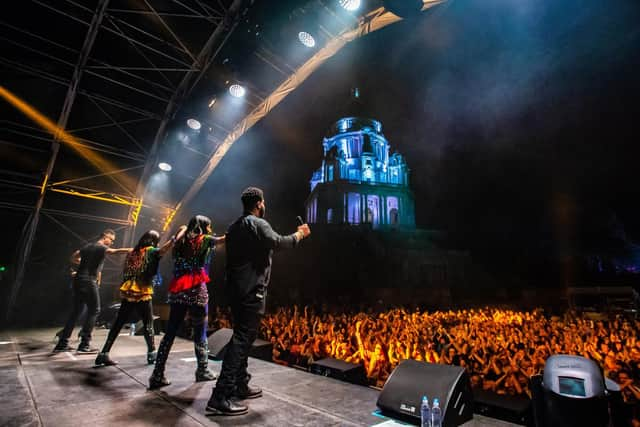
{"x": 260, "y": 349}
{"x": 339, "y": 369}
{"x": 156, "y": 326}
{"x": 402, "y": 394}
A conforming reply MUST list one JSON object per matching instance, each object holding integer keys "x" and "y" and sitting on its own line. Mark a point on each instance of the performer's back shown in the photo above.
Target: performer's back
{"x": 91, "y": 260}
{"x": 248, "y": 257}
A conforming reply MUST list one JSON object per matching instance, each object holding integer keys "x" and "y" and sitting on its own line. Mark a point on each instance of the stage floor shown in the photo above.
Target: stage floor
{"x": 41, "y": 388}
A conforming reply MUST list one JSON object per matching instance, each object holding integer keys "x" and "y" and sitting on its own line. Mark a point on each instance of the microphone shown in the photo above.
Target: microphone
{"x": 300, "y": 220}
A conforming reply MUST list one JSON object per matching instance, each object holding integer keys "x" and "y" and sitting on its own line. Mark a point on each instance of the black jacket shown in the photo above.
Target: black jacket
{"x": 250, "y": 243}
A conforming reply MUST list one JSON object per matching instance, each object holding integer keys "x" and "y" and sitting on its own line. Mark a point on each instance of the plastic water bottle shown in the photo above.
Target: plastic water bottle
{"x": 425, "y": 413}
{"x": 436, "y": 414}
{"x": 132, "y": 329}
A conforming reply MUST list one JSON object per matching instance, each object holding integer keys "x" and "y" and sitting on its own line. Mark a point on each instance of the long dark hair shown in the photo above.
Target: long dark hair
{"x": 150, "y": 238}
{"x": 187, "y": 245}
{"x": 199, "y": 224}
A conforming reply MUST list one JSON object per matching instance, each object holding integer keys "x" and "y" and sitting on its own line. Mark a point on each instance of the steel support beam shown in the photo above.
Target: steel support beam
{"x": 57, "y": 212}
{"x": 64, "y": 82}
{"x": 373, "y": 21}
{"x": 92, "y": 145}
{"x": 26, "y": 241}
{"x": 205, "y": 57}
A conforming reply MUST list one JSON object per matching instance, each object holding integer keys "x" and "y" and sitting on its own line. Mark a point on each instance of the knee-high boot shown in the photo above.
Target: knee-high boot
{"x": 157, "y": 378}
{"x": 151, "y": 347}
{"x": 103, "y": 358}
{"x": 202, "y": 355}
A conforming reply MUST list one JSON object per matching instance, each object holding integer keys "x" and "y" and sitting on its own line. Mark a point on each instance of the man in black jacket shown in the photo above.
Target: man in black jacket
{"x": 250, "y": 243}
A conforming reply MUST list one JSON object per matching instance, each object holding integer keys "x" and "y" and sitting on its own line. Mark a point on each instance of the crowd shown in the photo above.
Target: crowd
{"x": 500, "y": 348}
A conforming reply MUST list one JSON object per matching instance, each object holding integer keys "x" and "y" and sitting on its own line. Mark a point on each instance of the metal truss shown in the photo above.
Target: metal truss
{"x": 137, "y": 64}
{"x": 373, "y": 21}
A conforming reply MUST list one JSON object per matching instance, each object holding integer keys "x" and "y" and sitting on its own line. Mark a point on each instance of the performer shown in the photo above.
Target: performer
{"x": 85, "y": 290}
{"x": 249, "y": 246}
{"x": 73, "y": 271}
{"x": 188, "y": 293}
{"x": 140, "y": 268}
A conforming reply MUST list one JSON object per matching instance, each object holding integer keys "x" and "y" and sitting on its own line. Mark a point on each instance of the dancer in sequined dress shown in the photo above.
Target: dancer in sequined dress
{"x": 188, "y": 294}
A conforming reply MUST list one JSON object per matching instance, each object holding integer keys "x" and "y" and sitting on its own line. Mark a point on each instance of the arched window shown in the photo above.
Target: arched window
{"x": 393, "y": 216}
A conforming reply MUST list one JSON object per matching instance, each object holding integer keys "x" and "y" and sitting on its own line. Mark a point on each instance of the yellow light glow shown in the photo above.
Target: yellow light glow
{"x": 102, "y": 196}
{"x": 136, "y": 212}
{"x": 167, "y": 221}
{"x": 102, "y": 164}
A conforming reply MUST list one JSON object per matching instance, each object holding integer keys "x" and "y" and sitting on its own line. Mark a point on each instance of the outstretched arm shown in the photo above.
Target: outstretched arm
{"x": 219, "y": 240}
{"x": 274, "y": 240}
{"x": 111, "y": 251}
{"x": 169, "y": 243}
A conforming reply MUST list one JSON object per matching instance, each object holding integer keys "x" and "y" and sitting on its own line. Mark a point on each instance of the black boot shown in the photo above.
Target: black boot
{"x": 156, "y": 382}
{"x": 202, "y": 355}
{"x": 111, "y": 338}
{"x": 63, "y": 345}
{"x": 85, "y": 348}
{"x": 220, "y": 405}
{"x": 157, "y": 378}
{"x": 151, "y": 348}
{"x": 247, "y": 392}
{"x": 103, "y": 359}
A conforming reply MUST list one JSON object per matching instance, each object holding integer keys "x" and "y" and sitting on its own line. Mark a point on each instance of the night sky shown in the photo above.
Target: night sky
{"x": 516, "y": 118}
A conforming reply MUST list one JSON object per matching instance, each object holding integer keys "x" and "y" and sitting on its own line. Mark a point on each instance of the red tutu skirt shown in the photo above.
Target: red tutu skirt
{"x": 188, "y": 281}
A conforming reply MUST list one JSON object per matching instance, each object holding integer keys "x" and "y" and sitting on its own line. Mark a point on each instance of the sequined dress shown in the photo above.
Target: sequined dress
{"x": 140, "y": 267}
{"x": 190, "y": 278}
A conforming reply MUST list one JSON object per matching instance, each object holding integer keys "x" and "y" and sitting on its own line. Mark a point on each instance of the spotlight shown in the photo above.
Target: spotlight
{"x": 306, "y": 39}
{"x": 213, "y": 102}
{"x": 350, "y": 5}
{"x": 164, "y": 166}
{"x": 194, "y": 124}
{"x": 237, "y": 91}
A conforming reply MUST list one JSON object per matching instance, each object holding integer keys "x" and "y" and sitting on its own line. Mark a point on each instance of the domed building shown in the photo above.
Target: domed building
{"x": 366, "y": 247}
{"x": 359, "y": 182}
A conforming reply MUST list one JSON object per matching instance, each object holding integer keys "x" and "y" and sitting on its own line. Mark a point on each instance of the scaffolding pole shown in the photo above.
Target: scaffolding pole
{"x": 29, "y": 231}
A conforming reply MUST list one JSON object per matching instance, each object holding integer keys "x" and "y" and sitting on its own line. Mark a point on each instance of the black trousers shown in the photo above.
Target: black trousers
{"x": 144, "y": 310}
{"x": 85, "y": 293}
{"x": 247, "y": 313}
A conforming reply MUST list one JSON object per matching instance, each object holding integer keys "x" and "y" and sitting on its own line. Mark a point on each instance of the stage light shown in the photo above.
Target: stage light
{"x": 194, "y": 124}
{"x": 166, "y": 167}
{"x": 350, "y": 5}
{"x": 237, "y": 91}
{"x": 213, "y": 102}
{"x": 306, "y": 39}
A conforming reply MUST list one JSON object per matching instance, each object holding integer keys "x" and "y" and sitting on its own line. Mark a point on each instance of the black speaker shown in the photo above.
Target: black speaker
{"x": 218, "y": 343}
{"x": 156, "y": 326}
{"x": 339, "y": 369}
{"x": 402, "y": 394}
{"x": 260, "y": 349}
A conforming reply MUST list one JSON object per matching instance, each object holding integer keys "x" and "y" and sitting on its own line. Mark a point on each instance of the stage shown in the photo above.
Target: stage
{"x": 64, "y": 389}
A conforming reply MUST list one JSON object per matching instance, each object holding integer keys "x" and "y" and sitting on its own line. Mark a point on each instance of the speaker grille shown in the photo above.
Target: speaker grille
{"x": 403, "y": 391}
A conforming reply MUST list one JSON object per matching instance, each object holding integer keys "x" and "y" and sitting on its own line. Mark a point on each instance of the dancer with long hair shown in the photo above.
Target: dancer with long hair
{"x": 188, "y": 294}
{"x": 140, "y": 268}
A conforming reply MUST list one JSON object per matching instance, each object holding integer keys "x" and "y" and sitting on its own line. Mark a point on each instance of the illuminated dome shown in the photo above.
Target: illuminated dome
{"x": 359, "y": 182}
